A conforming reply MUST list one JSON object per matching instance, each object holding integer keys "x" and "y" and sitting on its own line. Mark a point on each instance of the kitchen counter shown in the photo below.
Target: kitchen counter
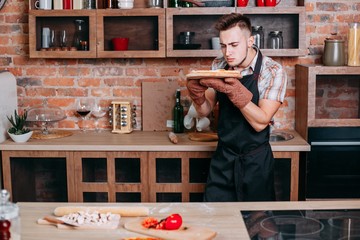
{"x": 146, "y": 146}
{"x": 136, "y": 141}
{"x": 224, "y": 218}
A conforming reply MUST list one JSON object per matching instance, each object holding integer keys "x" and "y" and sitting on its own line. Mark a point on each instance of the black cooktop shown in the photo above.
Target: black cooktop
{"x": 303, "y": 224}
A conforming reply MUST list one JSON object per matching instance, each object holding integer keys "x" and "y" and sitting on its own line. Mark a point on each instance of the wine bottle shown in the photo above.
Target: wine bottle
{"x": 178, "y": 114}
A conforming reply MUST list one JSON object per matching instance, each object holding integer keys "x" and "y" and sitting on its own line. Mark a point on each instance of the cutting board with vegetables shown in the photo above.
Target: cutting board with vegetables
{"x": 185, "y": 232}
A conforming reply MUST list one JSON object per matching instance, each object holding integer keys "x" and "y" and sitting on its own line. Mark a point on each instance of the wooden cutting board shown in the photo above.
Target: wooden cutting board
{"x": 203, "y": 137}
{"x": 158, "y": 100}
{"x": 186, "y": 232}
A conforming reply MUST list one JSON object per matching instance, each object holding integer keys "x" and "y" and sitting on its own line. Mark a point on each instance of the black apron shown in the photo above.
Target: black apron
{"x": 242, "y": 167}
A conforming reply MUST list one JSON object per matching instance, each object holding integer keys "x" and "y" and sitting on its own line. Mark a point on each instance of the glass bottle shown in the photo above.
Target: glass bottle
{"x": 354, "y": 44}
{"x": 9, "y": 218}
{"x": 257, "y": 32}
{"x": 275, "y": 40}
{"x": 80, "y": 39}
{"x": 178, "y": 114}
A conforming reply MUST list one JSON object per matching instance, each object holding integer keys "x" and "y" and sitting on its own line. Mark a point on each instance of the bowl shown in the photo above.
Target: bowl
{"x": 21, "y": 138}
{"x": 126, "y": 4}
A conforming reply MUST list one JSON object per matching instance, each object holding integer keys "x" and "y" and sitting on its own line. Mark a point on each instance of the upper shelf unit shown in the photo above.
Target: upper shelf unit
{"x": 201, "y": 21}
{"x": 145, "y": 30}
{"x": 326, "y": 97}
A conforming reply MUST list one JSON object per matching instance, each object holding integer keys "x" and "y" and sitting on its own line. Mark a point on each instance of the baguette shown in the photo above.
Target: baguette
{"x": 122, "y": 211}
{"x": 220, "y": 73}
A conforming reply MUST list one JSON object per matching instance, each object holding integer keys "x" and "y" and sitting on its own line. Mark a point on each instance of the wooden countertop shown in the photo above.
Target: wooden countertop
{"x": 135, "y": 141}
{"x": 224, "y": 218}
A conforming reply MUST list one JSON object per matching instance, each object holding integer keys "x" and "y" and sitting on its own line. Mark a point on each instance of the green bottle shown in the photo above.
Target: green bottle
{"x": 178, "y": 114}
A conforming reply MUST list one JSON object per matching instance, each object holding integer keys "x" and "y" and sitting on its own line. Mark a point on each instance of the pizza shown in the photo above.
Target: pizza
{"x": 220, "y": 73}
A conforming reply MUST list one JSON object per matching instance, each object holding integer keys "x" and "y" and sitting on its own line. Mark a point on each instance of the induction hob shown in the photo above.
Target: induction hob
{"x": 303, "y": 224}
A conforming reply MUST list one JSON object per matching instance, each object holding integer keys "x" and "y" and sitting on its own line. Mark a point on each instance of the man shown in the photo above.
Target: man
{"x": 242, "y": 167}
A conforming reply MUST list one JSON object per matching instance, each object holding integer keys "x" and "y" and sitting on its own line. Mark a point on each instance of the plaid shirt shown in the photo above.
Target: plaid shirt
{"x": 272, "y": 78}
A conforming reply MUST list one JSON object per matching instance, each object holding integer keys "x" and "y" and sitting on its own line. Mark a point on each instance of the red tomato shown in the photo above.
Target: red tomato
{"x": 173, "y": 222}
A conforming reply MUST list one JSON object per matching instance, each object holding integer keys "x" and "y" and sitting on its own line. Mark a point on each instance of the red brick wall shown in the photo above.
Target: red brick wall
{"x": 62, "y": 81}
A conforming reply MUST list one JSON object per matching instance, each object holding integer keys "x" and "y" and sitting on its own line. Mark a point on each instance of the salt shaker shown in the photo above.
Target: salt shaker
{"x": 9, "y": 218}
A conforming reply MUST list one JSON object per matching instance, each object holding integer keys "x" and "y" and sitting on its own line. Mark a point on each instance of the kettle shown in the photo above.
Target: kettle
{"x": 334, "y": 52}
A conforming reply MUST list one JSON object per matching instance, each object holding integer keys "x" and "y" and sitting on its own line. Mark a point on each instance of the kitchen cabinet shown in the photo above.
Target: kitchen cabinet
{"x": 201, "y": 21}
{"x": 136, "y": 167}
{"x": 145, "y": 28}
{"x": 326, "y": 97}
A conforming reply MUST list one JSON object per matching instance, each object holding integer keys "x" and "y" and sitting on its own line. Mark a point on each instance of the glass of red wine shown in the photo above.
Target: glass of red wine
{"x": 83, "y": 108}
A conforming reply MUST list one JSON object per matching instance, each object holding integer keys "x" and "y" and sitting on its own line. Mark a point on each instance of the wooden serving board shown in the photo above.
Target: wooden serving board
{"x": 110, "y": 225}
{"x": 213, "y": 74}
{"x": 203, "y": 137}
{"x": 51, "y": 135}
{"x": 186, "y": 232}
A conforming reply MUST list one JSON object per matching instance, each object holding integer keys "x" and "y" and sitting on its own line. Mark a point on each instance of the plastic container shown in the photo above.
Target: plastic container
{"x": 10, "y": 212}
{"x": 354, "y": 44}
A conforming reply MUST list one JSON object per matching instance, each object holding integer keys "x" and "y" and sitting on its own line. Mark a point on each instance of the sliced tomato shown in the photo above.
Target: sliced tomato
{"x": 173, "y": 222}
{"x": 149, "y": 222}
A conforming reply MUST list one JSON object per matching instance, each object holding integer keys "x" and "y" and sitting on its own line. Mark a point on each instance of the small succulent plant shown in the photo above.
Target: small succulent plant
{"x": 18, "y": 123}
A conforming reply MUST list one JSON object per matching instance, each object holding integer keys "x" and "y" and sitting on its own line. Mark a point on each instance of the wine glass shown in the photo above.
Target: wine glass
{"x": 83, "y": 108}
{"x": 63, "y": 39}
{"x": 98, "y": 112}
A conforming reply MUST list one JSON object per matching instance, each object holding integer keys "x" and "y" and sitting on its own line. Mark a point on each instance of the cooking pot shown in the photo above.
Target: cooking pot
{"x": 228, "y": 3}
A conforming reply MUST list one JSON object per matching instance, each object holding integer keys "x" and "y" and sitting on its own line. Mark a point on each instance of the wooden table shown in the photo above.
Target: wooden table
{"x": 224, "y": 218}
{"x": 138, "y": 142}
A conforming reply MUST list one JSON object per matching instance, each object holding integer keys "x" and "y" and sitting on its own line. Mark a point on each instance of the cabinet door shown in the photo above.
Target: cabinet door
{"x": 111, "y": 176}
{"x": 145, "y": 30}
{"x": 178, "y": 176}
{"x": 59, "y": 21}
{"x": 38, "y": 176}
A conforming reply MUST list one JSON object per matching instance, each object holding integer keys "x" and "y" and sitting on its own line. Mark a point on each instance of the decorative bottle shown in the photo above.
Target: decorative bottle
{"x": 178, "y": 114}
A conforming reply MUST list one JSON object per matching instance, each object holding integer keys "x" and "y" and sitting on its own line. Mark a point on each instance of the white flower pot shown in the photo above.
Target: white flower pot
{"x": 21, "y": 138}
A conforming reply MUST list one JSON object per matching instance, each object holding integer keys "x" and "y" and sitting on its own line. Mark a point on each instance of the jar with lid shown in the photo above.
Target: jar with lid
{"x": 257, "y": 32}
{"x": 80, "y": 38}
{"x": 9, "y": 218}
{"x": 354, "y": 44}
{"x": 275, "y": 40}
{"x": 186, "y": 37}
{"x": 334, "y": 53}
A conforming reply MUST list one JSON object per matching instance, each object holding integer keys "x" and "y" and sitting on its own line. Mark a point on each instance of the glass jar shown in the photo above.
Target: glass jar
{"x": 186, "y": 37}
{"x": 354, "y": 44}
{"x": 257, "y": 32}
{"x": 275, "y": 40}
{"x": 334, "y": 53}
{"x": 9, "y": 215}
{"x": 80, "y": 39}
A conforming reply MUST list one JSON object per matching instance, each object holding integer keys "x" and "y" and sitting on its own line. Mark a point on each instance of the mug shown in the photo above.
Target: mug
{"x": 242, "y": 3}
{"x": 260, "y": 3}
{"x": 58, "y": 4}
{"x": 215, "y": 43}
{"x": 67, "y": 4}
{"x": 43, "y": 4}
{"x": 120, "y": 44}
{"x": 271, "y": 3}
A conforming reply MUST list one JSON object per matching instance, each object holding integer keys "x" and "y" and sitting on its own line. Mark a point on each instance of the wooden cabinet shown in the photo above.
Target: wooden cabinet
{"x": 201, "y": 21}
{"x": 61, "y": 20}
{"x": 145, "y": 28}
{"x": 326, "y": 97}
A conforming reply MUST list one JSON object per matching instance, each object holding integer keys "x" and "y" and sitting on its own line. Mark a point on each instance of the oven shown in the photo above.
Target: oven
{"x": 333, "y": 164}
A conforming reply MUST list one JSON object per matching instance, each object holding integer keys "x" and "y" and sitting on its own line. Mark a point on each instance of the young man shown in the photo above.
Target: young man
{"x": 242, "y": 167}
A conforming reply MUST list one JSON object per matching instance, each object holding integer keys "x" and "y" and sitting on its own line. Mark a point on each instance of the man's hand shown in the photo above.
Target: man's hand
{"x": 196, "y": 91}
{"x": 232, "y": 87}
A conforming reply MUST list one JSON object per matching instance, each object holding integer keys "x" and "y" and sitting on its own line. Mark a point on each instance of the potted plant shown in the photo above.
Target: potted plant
{"x": 18, "y": 132}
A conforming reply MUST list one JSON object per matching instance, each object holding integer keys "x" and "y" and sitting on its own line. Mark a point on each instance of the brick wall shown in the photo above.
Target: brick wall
{"x": 61, "y": 82}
